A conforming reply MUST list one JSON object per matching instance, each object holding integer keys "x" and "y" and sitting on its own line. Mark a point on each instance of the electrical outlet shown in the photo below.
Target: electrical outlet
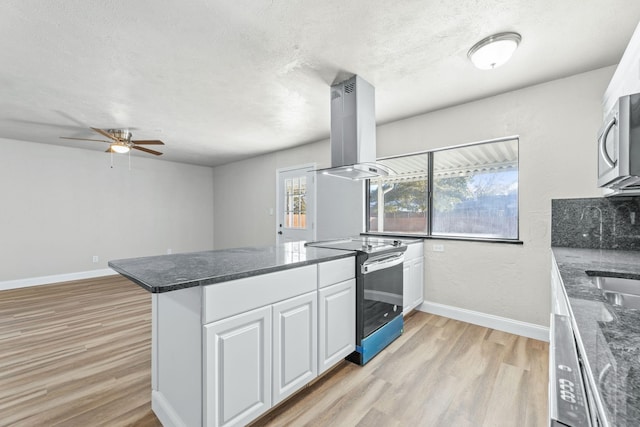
{"x": 169, "y": 251}
{"x": 438, "y": 248}
{"x": 96, "y": 258}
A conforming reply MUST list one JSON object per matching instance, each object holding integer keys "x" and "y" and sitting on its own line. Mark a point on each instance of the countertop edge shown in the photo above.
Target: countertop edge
{"x": 228, "y": 277}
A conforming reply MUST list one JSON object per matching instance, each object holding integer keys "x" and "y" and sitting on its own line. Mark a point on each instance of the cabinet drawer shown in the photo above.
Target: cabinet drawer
{"x": 336, "y": 271}
{"x": 237, "y": 296}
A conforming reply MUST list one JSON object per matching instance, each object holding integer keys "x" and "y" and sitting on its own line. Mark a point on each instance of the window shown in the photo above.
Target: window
{"x": 469, "y": 191}
{"x": 403, "y": 197}
{"x": 295, "y": 206}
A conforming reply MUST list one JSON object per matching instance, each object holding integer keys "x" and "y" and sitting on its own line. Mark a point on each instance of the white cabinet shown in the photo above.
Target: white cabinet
{"x": 237, "y": 368}
{"x": 626, "y": 79}
{"x": 295, "y": 341}
{"x": 337, "y": 323}
{"x": 224, "y": 354}
{"x": 413, "y": 277}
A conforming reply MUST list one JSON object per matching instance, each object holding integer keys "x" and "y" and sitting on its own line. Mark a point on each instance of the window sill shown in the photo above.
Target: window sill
{"x": 456, "y": 238}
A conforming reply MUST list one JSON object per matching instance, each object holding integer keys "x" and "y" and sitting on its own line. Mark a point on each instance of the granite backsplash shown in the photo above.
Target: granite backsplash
{"x": 596, "y": 223}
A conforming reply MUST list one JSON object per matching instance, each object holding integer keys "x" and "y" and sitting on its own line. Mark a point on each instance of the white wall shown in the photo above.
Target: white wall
{"x": 61, "y": 206}
{"x": 245, "y": 191}
{"x": 557, "y": 123}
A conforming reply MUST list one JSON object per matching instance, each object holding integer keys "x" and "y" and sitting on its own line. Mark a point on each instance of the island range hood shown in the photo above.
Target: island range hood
{"x": 353, "y": 131}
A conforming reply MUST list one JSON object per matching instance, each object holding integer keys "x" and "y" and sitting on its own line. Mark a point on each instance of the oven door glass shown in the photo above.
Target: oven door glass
{"x": 382, "y": 298}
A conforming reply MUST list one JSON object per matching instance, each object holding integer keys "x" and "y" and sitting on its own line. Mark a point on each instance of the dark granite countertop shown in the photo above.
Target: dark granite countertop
{"x": 609, "y": 334}
{"x": 166, "y": 273}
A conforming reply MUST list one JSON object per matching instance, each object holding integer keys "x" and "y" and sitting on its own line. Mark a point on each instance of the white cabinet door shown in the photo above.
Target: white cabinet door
{"x": 237, "y": 368}
{"x": 626, "y": 79}
{"x": 413, "y": 277}
{"x": 412, "y": 284}
{"x": 417, "y": 282}
{"x": 337, "y": 329}
{"x": 295, "y": 335}
{"x": 406, "y": 286}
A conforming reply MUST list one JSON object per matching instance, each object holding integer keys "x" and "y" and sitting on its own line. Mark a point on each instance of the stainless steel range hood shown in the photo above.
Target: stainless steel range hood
{"x": 353, "y": 131}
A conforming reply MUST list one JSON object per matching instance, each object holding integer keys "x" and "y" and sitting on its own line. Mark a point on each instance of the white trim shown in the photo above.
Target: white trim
{"x": 313, "y": 187}
{"x": 56, "y": 278}
{"x": 517, "y": 327}
{"x": 164, "y": 411}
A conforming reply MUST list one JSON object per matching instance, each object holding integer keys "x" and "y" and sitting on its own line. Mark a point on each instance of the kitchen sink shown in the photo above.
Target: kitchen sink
{"x": 620, "y": 291}
{"x": 623, "y": 300}
{"x": 619, "y": 285}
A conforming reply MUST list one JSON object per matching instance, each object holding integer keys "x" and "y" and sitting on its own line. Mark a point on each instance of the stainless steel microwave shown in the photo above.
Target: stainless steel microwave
{"x": 619, "y": 147}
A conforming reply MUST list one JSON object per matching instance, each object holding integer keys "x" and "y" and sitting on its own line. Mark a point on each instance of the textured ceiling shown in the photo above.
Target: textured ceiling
{"x": 223, "y": 80}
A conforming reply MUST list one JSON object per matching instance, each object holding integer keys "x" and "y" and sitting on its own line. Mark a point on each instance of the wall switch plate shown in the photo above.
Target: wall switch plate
{"x": 438, "y": 248}
{"x": 95, "y": 258}
{"x": 169, "y": 251}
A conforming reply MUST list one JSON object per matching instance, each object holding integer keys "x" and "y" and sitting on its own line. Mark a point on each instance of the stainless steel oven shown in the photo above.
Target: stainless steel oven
{"x": 379, "y": 277}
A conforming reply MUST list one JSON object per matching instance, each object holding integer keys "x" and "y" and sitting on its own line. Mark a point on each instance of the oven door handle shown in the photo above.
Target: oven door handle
{"x": 381, "y": 264}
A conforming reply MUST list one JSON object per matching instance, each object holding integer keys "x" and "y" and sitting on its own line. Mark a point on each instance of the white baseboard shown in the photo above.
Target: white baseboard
{"x": 164, "y": 411}
{"x": 516, "y": 327}
{"x": 56, "y": 278}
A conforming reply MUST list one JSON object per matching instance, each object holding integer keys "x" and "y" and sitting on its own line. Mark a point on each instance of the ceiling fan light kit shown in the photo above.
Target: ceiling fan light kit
{"x": 494, "y": 51}
{"x": 119, "y": 148}
{"x": 120, "y": 141}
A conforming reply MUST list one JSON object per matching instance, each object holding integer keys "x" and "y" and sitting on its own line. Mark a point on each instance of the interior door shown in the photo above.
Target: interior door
{"x": 296, "y": 204}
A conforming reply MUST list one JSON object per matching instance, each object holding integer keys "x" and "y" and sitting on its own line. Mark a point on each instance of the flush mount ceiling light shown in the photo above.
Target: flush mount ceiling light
{"x": 494, "y": 51}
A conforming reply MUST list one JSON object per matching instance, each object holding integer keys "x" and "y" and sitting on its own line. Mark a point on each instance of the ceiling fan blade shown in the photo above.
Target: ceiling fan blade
{"x": 105, "y": 133}
{"x": 146, "y": 150}
{"x": 148, "y": 142}
{"x": 86, "y": 139}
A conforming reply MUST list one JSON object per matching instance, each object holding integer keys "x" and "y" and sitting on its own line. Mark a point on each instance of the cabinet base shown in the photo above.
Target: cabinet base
{"x": 377, "y": 341}
{"x": 164, "y": 411}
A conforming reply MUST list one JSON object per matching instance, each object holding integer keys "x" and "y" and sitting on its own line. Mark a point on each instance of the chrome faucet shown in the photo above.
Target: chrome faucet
{"x": 623, "y": 223}
{"x": 591, "y": 232}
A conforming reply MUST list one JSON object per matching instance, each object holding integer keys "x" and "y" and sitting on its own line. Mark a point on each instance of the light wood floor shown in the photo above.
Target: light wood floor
{"x": 78, "y": 354}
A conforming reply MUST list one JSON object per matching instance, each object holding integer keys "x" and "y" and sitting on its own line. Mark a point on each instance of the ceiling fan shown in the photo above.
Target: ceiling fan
{"x": 120, "y": 141}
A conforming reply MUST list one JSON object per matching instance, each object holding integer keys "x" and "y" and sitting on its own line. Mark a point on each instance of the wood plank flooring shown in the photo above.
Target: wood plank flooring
{"x": 78, "y": 354}
{"x": 440, "y": 372}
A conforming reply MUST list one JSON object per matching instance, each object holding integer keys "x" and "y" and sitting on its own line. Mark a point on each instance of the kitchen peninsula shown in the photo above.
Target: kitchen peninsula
{"x": 236, "y": 331}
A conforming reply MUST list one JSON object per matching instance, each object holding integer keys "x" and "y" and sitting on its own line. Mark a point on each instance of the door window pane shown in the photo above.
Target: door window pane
{"x": 295, "y": 206}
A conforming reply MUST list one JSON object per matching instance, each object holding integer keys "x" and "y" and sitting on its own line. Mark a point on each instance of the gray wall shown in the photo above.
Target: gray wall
{"x": 61, "y": 206}
{"x": 557, "y": 123}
